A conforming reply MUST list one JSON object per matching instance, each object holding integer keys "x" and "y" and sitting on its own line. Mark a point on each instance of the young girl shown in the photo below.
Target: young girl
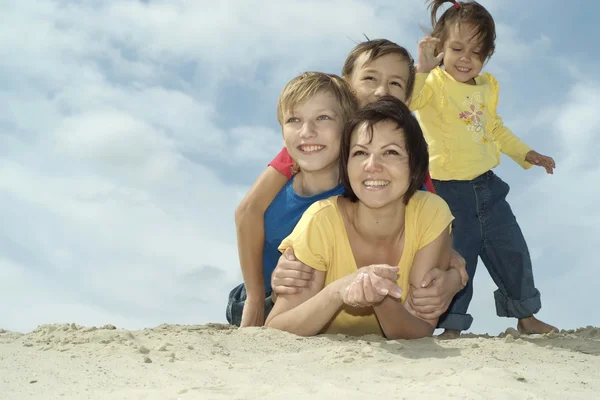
{"x": 373, "y": 69}
{"x": 457, "y": 109}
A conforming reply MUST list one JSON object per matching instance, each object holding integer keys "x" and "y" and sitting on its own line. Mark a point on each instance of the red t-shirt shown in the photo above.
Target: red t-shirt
{"x": 283, "y": 163}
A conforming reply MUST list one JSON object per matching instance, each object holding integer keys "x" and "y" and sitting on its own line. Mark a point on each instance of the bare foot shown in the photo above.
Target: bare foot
{"x": 532, "y": 325}
{"x": 449, "y": 334}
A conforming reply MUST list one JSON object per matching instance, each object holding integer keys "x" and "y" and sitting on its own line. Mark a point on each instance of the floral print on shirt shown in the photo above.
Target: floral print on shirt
{"x": 473, "y": 117}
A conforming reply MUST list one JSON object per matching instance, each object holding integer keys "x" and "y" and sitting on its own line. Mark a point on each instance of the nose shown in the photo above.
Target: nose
{"x": 308, "y": 130}
{"x": 373, "y": 164}
{"x": 382, "y": 90}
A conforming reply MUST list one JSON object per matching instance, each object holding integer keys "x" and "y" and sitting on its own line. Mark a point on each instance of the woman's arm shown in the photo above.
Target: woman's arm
{"x": 307, "y": 312}
{"x": 394, "y": 317}
{"x": 250, "y": 227}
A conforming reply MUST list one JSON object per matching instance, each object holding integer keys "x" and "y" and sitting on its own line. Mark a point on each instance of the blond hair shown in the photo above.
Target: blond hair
{"x": 305, "y": 86}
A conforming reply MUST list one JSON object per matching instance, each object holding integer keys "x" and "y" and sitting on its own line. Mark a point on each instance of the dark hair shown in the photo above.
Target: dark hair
{"x": 379, "y": 48}
{"x": 466, "y": 12}
{"x": 388, "y": 108}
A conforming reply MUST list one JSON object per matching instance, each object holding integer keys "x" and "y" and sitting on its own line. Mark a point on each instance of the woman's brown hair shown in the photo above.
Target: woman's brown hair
{"x": 388, "y": 108}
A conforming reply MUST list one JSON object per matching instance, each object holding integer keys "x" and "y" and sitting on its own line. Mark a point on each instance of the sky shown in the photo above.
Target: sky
{"x": 130, "y": 130}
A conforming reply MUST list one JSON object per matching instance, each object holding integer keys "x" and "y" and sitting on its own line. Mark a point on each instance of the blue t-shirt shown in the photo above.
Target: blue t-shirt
{"x": 280, "y": 220}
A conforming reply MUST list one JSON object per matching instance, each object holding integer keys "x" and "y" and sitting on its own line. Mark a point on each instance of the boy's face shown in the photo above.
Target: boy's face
{"x": 312, "y": 132}
{"x": 462, "y": 53}
{"x": 386, "y": 75}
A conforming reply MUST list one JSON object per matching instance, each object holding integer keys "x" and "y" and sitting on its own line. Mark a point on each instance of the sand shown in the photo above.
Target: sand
{"x": 67, "y": 361}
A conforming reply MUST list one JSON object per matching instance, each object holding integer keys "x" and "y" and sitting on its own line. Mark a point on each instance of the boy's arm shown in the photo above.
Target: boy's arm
{"x": 395, "y": 318}
{"x": 439, "y": 286}
{"x": 250, "y": 227}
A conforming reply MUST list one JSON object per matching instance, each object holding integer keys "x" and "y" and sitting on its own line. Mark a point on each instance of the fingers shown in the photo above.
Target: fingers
{"x": 384, "y": 286}
{"x": 549, "y": 164}
{"x": 283, "y": 273}
{"x": 533, "y": 157}
{"x": 456, "y": 260}
{"x": 429, "y": 41}
{"x": 430, "y": 276}
{"x": 427, "y": 295}
{"x": 295, "y": 266}
{"x": 290, "y": 282}
{"x": 286, "y": 289}
{"x": 353, "y": 293}
{"x": 440, "y": 57}
{"x": 370, "y": 292}
{"x": 386, "y": 271}
{"x": 426, "y": 308}
{"x": 289, "y": 254}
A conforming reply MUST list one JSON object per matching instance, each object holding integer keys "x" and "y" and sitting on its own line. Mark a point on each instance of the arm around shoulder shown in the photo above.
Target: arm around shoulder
{"x": 250, "y": 229}
{"x": 435, "y": 244}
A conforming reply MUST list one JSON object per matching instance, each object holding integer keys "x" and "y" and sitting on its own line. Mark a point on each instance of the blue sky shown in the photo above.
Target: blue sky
{"x": 130, "y": 131}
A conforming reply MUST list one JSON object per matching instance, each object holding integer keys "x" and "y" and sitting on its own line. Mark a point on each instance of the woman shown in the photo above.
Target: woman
{"x": 372, "y": 246}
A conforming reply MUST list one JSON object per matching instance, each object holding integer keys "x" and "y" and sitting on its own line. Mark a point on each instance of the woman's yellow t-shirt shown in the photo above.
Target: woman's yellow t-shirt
{"x": 320, "y": 241}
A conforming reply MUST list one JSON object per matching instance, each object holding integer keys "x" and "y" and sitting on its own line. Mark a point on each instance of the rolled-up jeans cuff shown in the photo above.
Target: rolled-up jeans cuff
{"x": 511, "y": 308}
{"x": 456, "y": 322}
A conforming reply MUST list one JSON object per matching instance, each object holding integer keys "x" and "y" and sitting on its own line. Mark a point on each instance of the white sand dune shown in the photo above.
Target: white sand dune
{"x": 63, "y": 361}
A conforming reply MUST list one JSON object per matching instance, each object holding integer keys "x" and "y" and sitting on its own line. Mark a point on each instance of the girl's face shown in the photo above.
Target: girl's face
{"x": 312, "y": 132}
{"x": 461, "y": 53}
{"x": 378, "y": 169}
{"x": 386, "y": 75}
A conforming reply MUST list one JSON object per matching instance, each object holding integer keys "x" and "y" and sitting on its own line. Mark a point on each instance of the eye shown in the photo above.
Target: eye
{"x": 392, "y": 152}
{"x": 368, "y": 78}
{"x": 476, "y": 52}
{"x": 454, "y": 49}
{"x": 358, "y": 153}
{"x": 398, "y": 84}
{"x": 291, "y": 120}
{"x": 323, "y": 117}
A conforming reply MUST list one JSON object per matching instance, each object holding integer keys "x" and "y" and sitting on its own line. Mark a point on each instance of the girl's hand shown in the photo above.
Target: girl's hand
{"x": 427, "y": 59}
{"x": 535, "y": 158}
{"x": 370, "y": 285}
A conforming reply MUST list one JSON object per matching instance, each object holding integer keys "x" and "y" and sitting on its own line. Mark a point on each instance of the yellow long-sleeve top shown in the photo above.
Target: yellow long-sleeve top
{"x": 464, "y": 132}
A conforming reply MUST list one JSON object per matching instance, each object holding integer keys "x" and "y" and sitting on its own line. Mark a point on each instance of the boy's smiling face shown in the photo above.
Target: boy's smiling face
{"x": 312, "y": 132}
{"x": 386, "y": 75}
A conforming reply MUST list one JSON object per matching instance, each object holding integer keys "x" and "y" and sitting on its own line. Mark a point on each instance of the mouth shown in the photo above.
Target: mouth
{"x": 310, "y": 148}
{"x": 375, "y": 184}
{"x": 463, "y": 69}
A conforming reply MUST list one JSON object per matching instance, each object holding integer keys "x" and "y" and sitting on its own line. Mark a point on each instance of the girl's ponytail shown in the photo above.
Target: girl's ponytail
{"x": 434, "y": 6}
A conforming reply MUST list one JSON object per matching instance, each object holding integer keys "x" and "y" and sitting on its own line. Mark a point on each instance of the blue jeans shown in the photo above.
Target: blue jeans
{"x": 235, "y": 305}
{"x": 485, "y": 226}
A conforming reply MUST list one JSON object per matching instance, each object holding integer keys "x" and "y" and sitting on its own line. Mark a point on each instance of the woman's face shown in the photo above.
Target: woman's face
{"x": 378, "y": 169}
